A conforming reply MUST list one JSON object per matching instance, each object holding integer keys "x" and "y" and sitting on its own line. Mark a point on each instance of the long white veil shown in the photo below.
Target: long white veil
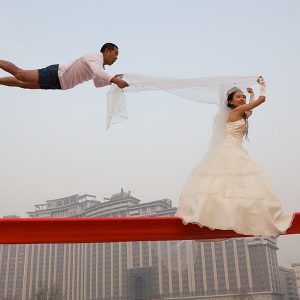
{"x": 204, "y": 90}
{"x": 210, "y": 90}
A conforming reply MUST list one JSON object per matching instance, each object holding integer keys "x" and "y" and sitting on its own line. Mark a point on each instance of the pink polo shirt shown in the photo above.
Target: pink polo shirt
{"x": 85, "y": 68}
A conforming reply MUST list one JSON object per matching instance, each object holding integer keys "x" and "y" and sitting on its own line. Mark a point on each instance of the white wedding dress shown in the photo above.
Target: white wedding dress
{"x": 227, "y": 190}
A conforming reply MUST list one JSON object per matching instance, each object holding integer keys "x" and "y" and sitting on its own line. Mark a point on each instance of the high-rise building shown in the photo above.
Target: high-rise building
{"x": 227, "y": 269}
{"x": 296, "y": 268}
{"x": 288, "y": 283}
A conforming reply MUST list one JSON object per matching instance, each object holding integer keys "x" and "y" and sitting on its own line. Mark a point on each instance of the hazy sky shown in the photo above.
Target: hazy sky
{"x": 54, "y": 143}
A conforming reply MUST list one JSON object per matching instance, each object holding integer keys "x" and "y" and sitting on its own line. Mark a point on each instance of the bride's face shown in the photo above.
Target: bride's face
{"x": 238, "y": 99}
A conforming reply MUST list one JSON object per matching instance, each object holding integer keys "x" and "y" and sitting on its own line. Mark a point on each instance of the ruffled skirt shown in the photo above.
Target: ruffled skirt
{"x": 229, "y": 191}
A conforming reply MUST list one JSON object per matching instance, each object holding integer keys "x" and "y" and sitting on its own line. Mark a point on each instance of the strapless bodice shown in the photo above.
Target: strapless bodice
{"x": 235, "y": 131}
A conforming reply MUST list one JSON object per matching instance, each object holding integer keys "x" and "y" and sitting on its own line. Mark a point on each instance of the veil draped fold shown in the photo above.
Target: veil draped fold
{"x": 210, "y": 90}
{"x": 204, "y": 90}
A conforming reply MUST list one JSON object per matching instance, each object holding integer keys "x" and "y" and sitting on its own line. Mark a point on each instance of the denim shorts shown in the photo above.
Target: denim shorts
{"x": 48, "y": 78}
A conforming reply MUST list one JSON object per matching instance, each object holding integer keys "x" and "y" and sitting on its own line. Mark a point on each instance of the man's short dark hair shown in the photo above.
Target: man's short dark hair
{"x": 108, "y": 46}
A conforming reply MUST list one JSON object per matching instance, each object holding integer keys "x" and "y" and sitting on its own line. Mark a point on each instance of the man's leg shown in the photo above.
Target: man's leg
{"x": 12, "y": 81}
{"x": 29, "y": 76}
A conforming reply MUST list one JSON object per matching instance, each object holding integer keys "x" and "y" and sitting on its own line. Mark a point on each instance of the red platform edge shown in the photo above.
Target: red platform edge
{"x": 104, "y": 230}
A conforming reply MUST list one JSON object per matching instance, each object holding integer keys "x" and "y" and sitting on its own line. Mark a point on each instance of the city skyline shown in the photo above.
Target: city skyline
{"x": 93, "y": 199}
{"x": 228, "y": 269}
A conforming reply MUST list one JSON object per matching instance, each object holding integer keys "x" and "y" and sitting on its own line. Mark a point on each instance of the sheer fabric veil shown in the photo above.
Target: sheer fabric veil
{"x": 210, "y": 90}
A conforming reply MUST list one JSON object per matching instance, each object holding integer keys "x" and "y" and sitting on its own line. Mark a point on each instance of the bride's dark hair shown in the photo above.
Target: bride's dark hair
{"x": 229, "y": 98}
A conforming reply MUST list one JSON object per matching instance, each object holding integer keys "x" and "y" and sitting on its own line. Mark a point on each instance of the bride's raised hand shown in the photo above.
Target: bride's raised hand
{"x": 250, "y": 90}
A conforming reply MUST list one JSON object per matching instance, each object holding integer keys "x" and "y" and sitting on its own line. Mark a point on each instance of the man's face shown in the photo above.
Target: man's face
{"x": 110, "y": 56}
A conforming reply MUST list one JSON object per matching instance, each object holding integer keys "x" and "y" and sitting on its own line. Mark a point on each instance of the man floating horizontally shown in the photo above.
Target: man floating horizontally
{"x": 63, "y": 77}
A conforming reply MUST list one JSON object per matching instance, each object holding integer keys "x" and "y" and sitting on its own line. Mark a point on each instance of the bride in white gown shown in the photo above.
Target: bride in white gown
{"x": 227, "y": 190}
